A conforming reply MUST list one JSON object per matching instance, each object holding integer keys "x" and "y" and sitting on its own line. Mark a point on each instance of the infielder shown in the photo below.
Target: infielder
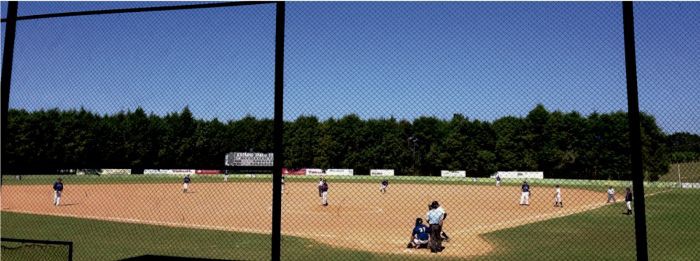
{"x": 383, "y": 186}
{"x": 324, "y": 192}
{"x": 57, "y": 190}
{"x": 611, "y": 194}
{"x": 320, "y": 183}
{"x": 420, "y": 236}
{"x": 186, "y": 183}
{"x": 282, "y": 184}
{"x": 525, "y": 195}
{"x": 498, "y": 180}
{"x": 628, "y": 200}
{"x": 226, "y": 176}
{"x": 557, "y": 197}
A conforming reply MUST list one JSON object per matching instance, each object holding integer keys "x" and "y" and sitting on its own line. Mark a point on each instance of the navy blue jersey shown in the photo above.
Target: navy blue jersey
{"x": 422, "y": 232}
{"x": 628, "y": 196}
{"x": 526, "y": 188}
{"x": 498, "y": 178}
{"x": 58, "y": 186}
{"x": 187, "y": 179}
{"x": 385, "y": 182}
{"x": 324, "y": 187}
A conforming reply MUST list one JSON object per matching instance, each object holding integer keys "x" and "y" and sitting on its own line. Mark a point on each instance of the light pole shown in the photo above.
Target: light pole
{"x": 413, "y": 141}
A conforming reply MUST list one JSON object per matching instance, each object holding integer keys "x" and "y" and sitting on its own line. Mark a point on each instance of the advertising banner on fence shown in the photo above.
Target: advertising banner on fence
{"x": 115, "y": 172}
{"x": 157, "y": 171}
{"x": 519, "y": 174}
{"x": 169, "y": 171}
{"x": 293, "y": 172}
{"x": 339, "y": 172}
{"x": 314, "y": 172}
{"x": 453, "y": 173}
{"x": 381, "y": 172}
{"x": 208, "y": 171}
{"x": 249, "y": 159}
{"x": 690, "y": 185}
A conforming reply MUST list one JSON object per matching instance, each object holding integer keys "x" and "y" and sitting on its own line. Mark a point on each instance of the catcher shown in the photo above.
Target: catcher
{"x": 420, "y": 235}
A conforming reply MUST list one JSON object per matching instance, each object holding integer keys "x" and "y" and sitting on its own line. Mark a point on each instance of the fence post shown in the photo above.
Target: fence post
{"x": 8, "y": 53}
{"x": 278, "y": 133}
{"x": 635, "y": 132}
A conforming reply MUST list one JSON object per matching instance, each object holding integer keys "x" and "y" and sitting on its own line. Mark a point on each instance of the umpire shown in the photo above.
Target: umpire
{"x": 434, "y": 217}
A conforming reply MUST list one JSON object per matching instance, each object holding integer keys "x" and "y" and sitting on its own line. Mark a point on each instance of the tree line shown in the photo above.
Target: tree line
{"x": 563, "y": 145}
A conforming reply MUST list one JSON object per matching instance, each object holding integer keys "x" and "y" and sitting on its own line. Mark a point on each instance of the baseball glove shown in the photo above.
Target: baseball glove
{"x": 410, "y": 245}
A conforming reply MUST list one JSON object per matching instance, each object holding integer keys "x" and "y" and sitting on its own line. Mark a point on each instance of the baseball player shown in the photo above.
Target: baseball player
{"x": 186, "y": 183}
{"x": 628, "y": 200}
{"x": 525, "y": 195}
{"x": 498, "y": 180}
{"x": 226, "y": 176}
{"x": 611, "y": 194}
{"x": 384, "y": 185}
{"x": 320, "y": 183}
{"x": 435, "y": 218}
{"x": 557, "y": 197}
{"x": 282, "y": 184}
{"x": 324, "y": 192}
{"x": 57, "y": 190}
{"x": 420, "y": 237}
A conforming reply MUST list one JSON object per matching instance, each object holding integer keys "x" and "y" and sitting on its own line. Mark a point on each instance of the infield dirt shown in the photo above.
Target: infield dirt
{"x": 358, "y": 217}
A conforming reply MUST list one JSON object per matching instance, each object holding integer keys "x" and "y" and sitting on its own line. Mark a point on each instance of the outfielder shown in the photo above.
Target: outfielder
{"x": 323, "y": 189}
{"x": 557, "y": 197}
{"x": 420, "y": 236}
{"x": 525, "y": 195}
{"x": 57, "y": 190}
{"x": 611, "y": 194}
{"x": 383, "y": 186}
{"x": 186, "y": 183}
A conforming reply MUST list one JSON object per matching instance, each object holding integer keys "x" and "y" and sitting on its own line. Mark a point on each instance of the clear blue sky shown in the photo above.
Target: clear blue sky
{"x": 484, "y": 60}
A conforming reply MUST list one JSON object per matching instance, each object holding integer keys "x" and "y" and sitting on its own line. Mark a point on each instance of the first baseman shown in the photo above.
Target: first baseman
{"x": 57, "y": 190}
{"x": 186, "y": 183}
{"x": 611, "y": 194}
{"x": 525, "y": 195}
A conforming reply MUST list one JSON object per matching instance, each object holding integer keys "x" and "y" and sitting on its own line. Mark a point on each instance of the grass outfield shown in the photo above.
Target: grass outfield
{"x": 103, "y": 240}
{"x": 606, "y": 234}
{"x": 599, "y": 234}
{"x": 598, "y": 185}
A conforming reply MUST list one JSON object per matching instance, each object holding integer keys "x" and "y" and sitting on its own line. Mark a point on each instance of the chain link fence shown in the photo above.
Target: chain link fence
{"x": 412, "y": 130}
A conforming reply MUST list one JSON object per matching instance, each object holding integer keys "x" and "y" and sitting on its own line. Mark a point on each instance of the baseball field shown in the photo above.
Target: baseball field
{"x": 230, "y": 220}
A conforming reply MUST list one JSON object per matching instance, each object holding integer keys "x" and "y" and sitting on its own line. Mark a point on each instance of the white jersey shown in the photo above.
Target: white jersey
{"x": 558, "y": 191}
{"x": 611, "y": 191}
